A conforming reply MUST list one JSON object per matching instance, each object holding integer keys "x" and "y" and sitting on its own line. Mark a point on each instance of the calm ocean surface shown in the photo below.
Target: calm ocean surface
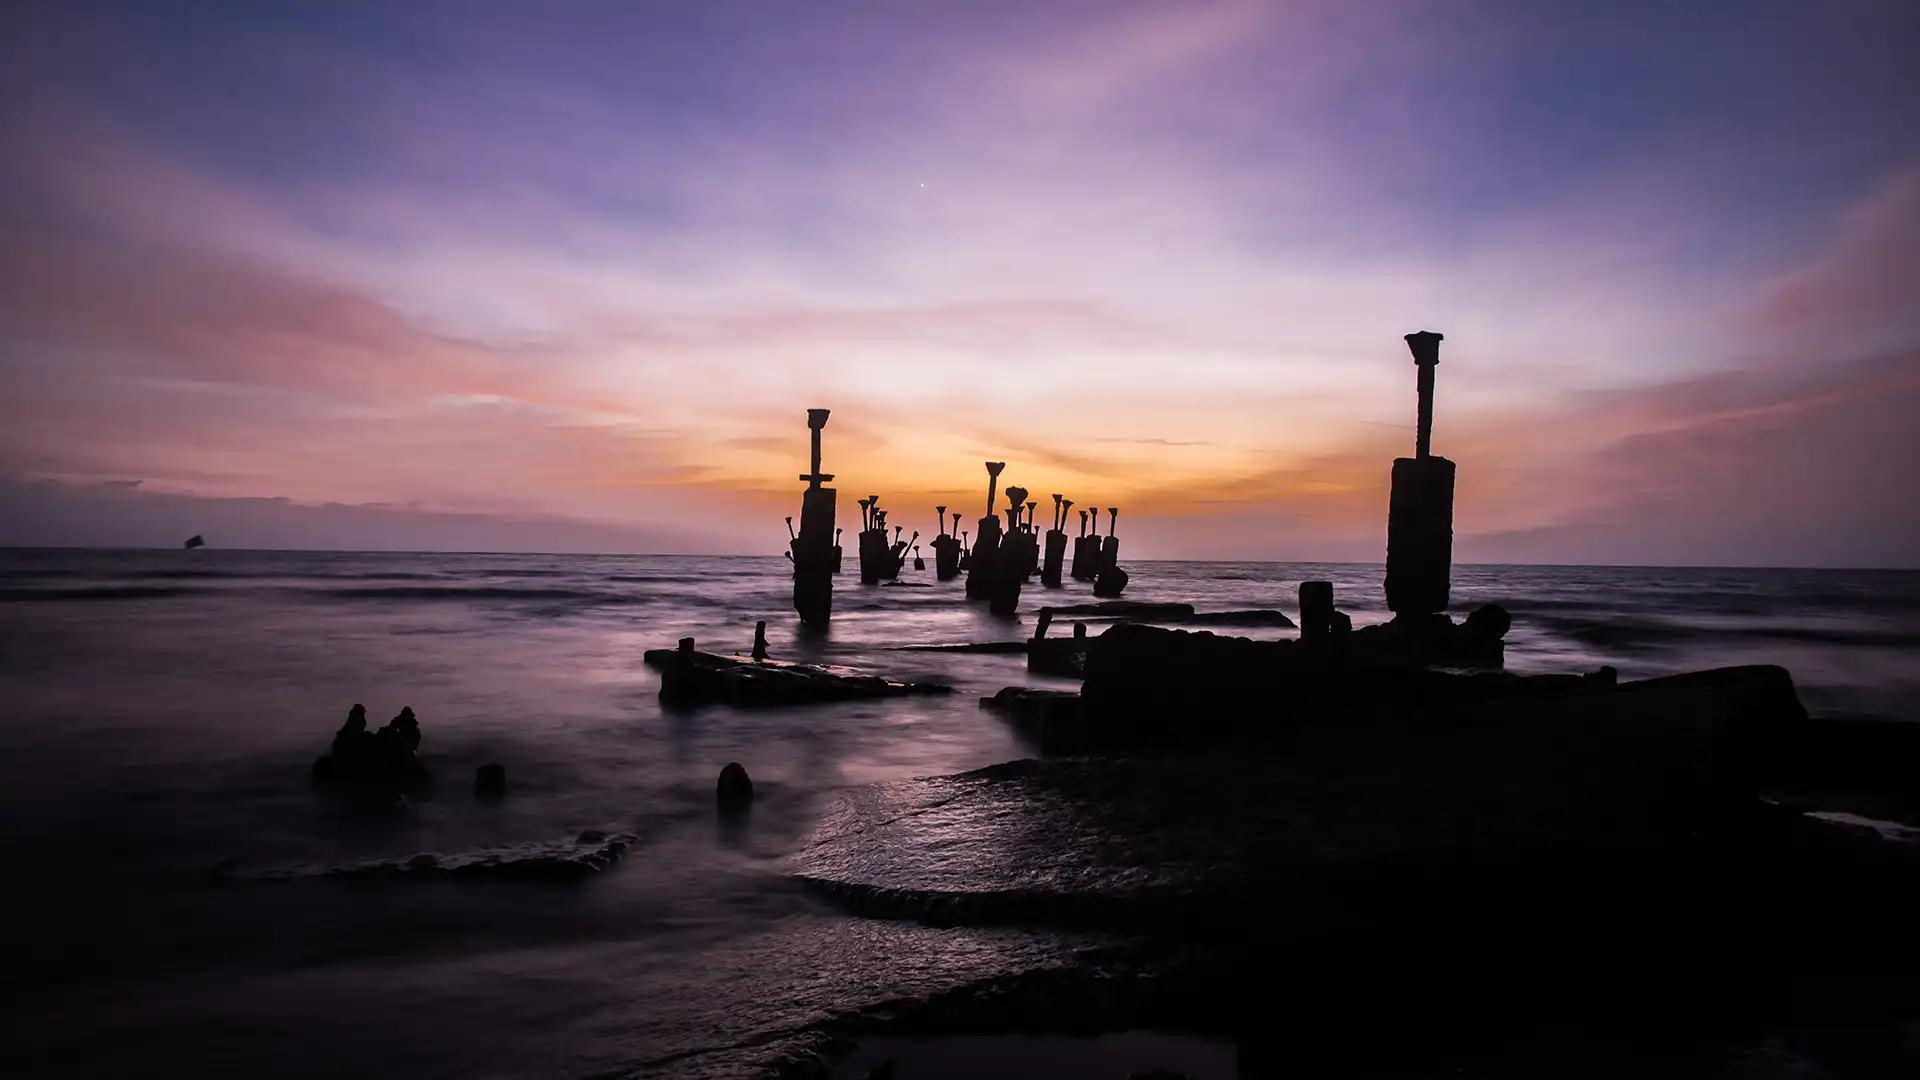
{"x": 180, "y": 895}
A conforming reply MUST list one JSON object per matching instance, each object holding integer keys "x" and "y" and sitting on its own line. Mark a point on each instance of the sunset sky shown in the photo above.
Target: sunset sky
{"x": 566, "y": 277}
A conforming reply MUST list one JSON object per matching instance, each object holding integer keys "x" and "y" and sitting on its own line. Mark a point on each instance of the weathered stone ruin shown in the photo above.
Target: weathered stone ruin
{"x": 689, "y": 677}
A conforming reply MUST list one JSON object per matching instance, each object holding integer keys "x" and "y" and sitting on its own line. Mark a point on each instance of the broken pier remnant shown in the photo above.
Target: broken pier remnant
{"x": 876, "y": 553}
{"x": 1056, "y": 544}
{"x": 1420, "y": 510}
{"x": 1316, "y": 610}
{"x": 946, "y": 548}
{"x": 1111, "y": 580}
{"x": 1014, "y": 559}
{"x": 691, "y": 677}
{"x": 814, "y": 555}
{"x": 1086, "y": 549}
{"x": 983, "y": 559}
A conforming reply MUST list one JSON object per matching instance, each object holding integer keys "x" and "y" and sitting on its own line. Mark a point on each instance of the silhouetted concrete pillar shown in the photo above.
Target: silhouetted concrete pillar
{"x": 1086, "y": 550}
{"x": 983, "y": 560}
{"x": 1013, "y": 559}
{"x": 813, "y": 549}
{"x": 1420, "y": 511}
{"x": 1112, "y": 580}
{"x": 1316, "y": 610}
{"x": 1056, "y": 559}
{"x": 1110, "y": 547}
{"x": 946, "y": 548}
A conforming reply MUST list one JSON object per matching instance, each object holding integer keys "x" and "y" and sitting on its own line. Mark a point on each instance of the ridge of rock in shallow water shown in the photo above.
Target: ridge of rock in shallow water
{"x": 1480, "y": 863}
{"x": 584, "y": 856}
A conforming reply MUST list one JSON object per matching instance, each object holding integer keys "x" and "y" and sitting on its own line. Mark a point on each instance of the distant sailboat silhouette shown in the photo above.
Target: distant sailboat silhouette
{"x": 194, "y": 541}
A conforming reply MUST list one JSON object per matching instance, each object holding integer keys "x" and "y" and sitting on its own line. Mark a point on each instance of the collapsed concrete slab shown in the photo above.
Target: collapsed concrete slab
{"x": 691, "y": 677}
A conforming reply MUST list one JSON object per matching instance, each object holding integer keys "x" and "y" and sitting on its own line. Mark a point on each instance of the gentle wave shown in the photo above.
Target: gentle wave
{"x": 101, "y": 592}
{"x": 472, "y": 592}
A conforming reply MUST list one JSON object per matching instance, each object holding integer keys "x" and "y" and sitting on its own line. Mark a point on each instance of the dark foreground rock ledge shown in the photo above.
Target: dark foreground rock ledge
{"x": 1584, "y": 872}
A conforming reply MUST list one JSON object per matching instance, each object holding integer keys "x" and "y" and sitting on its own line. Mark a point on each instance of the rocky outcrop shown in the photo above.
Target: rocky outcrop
{"x": 387, "y": 758}
{"x": 1436, "y": 640}
{"x": 734, "y": 790}
{"x": 490, "y": 781}
{"x": 1054, "y": 719}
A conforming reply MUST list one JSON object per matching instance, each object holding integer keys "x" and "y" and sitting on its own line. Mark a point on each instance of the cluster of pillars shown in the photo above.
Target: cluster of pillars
{"x": 881, "y": 555}
{"x": 1003, "y": 556}
{"x": 1097, "y": 558}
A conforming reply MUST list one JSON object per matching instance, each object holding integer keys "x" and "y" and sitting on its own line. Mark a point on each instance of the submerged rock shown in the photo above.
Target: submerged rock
{"x": 734, "y": 791}
{"x": 385, "y": 758}
{"x": 1435, "y": 639}
{"x": 1056, "y": 719}
{"x": 490, "y": 780}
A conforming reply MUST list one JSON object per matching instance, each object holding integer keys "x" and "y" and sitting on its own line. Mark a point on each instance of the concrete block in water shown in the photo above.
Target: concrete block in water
{"x": 1014, "y": 557}
{"x": 815, "y": 559}
{"x": 1316, "y": 610}
{"x": 1086, "y": 557}
{"x": 984, "y": 560}
{"x": 1111, "y": 581}
{"x": 875, "y": 554}
{"x": 946, "y": 557}
{"x": 1056, "y": 559}
{"x": 1420, "y": 535}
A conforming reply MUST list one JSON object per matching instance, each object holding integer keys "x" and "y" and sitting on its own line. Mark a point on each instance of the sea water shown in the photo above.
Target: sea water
{"x": 179, "y": 896}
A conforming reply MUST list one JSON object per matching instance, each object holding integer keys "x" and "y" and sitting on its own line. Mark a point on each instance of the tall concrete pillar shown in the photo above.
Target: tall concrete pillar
{"x": 813, "y": 548}
{"x": 1420, "y": 510}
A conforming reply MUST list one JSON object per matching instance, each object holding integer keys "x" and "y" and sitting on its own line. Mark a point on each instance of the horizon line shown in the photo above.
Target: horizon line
{"x": 744, "y": 555}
